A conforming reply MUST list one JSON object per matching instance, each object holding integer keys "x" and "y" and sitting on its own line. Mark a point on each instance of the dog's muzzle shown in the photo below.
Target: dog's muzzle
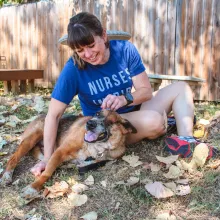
{"x": 92, "y": 135}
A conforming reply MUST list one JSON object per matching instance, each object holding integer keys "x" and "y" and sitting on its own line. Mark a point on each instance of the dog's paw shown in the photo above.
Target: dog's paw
{"x": 6, "y": 178}
{"x": 29, "y": 192}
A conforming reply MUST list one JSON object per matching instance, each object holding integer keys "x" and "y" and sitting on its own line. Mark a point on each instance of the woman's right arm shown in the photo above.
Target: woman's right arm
{"x": 55, "y": 111}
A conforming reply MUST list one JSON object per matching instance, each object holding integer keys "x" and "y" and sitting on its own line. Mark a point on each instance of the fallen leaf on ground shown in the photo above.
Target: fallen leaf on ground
{"x": 132, "y": 160}
{"x": 39, "y": 104}
{"x": 214, "y": 165}
{"x": 90, "y": 216}
{"x": 158, "y": 190}
{"x": 166, "y": 216}
{"x": 199, "y": 157}
{"x": 203, "y": 122}
{"x": 174, "y": 172}
{"x": 171, "y": 185}
{"x": 77, "y": 199}
{"x": 155, "y": 167}
{"x": 58, "y": 189}
{"x": 117, "y": 205}
{"x": 132, "y": 181}
{"x": 104, "y": 183}
{"x": 79, "y": 188}
{"x": 89, "y": 181}
{"x": 18, "y": 214}
{"x": 3, "y": 153}
{"x": 146, "y": 180}
{"x": 182, "y": 181}
{"x": 182, "y": 190}
{"x": 168, "y": 160}
{"x": 146, "y": 165}
{"x": 200, "y": 154}
{"x": 190, "y": 167}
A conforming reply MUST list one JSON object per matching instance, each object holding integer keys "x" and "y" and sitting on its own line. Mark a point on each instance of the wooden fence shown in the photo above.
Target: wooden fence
{"x": 174, "y": 37}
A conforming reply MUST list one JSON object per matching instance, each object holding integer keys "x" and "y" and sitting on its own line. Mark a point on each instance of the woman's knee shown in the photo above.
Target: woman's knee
{"x": 182, "y": 87}
{"x": 156, "y": 125}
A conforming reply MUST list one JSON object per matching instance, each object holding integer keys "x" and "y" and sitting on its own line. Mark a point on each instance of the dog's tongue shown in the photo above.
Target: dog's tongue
{"x": 90, "y": 136}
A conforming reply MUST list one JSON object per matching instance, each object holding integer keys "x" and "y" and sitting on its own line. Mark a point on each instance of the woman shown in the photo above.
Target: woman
{"x": 102, "y": 74}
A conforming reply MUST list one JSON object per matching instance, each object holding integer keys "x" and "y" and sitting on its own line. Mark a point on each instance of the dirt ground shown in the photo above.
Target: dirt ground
{"x": 111, "y": 201}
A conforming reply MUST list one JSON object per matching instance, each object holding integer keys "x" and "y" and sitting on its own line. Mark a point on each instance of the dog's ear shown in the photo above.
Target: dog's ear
{"x": 128, "y": 126}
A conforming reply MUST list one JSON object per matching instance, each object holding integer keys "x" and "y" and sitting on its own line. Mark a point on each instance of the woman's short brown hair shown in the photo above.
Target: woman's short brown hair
{"x": 81, "y": 31}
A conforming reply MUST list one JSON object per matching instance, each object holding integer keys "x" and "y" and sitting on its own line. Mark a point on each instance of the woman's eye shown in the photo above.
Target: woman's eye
{"x": 91, "y": 46}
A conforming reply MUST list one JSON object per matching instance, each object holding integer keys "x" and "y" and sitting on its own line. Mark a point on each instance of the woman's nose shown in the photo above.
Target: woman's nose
{"x": 88, "y": 52}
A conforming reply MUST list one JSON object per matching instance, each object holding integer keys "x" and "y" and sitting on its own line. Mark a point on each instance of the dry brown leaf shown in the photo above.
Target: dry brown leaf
{"x": 200, "y": 154}
{"x": 90, "y": 216}
{"x": 77, "y": 199}
{"x": 146, "y": 181}
{"x": 104, "y": 183}
{"x": 203, "y": 121}
{"x": 214, "y": 165}
{"x": 182, "y": 181}
{"x": 132, "y": 181}
{"x": 158, "y": 190}
{"x": 190, "y": 167}
{"x": 168, "y": 160}
{"x": 155, "y": 167}
{"x": 182, "y": 190}
{"x": 132, "y": 160}
{"x": 171, "y": 185}
{"x": 3, "y": 153}
{"x": 89, "y": 181}
{"x": 58, "y": 189}
{"x": 79, "y": 188}
{"x": 174, "y": 172}
{"x": 166, "y": 216}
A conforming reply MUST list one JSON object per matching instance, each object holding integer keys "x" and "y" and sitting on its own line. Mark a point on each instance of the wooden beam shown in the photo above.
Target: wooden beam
{"x": 15, "y": 74}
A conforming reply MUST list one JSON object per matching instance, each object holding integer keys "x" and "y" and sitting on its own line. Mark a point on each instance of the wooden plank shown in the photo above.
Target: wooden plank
{"x": 30, "y": 85}
{"x": 215, "y": 58}
{"x": 159, "y": 36}
{"x": 206, "y": 44}
{"x": 175, "y": 77}
{"x": 9, "y": 74}
{"x": 144, "y": 26}
{"x": 7, "y": 87}
{"x": 23, "y": 86}
{"x": 169, "y": 62}
{"x": 151, "y": 51}
{"x": 197, "y": 32}
{"x": 14, "y": 87}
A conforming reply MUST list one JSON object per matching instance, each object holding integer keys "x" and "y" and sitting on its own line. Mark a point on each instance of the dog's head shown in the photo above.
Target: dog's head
{"x": 98, "y": 128}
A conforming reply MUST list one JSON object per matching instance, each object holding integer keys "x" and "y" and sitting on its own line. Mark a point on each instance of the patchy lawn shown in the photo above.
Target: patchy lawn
{"x": 110, "y": 197}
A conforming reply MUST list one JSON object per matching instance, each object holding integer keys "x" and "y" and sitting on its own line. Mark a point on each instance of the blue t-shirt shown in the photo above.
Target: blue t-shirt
{"x": 94, "y": 83}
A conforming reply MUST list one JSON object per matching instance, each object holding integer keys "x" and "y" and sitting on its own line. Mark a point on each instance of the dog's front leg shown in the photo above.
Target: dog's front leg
{"x": 25, "y": 146}
{"x": 60, "y": 155}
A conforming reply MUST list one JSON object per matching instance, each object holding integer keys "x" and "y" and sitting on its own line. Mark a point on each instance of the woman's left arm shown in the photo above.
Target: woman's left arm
{"x": 142, "y": 93}
{"x": 143, "y": 90}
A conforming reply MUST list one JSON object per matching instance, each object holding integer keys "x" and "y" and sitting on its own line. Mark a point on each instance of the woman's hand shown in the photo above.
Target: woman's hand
{"x": 113, "y": 102}
{"x": 38, "y": 168}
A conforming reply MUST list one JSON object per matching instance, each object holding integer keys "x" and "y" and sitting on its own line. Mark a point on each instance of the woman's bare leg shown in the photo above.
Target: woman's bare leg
{"x": 149, "y": 121}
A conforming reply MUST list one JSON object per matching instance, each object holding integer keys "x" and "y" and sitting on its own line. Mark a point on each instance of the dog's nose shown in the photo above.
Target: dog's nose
{"x": 91, "y": 125}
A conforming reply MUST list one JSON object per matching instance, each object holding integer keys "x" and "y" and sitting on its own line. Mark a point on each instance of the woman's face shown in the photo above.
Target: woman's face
{"x": 95, "y": 53}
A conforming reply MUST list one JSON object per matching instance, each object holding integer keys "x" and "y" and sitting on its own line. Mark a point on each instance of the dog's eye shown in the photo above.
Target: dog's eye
{"x": 97, "y": 114}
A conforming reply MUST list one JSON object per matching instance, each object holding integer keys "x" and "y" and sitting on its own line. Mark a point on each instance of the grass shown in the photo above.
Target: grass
{"x": 113, "y": 202}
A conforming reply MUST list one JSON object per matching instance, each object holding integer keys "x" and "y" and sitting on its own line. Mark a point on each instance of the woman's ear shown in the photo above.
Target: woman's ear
{"x": 104, "y": 35}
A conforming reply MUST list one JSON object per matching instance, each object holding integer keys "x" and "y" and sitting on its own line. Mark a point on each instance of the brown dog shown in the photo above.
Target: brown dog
{"x": 101, "y": 137}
